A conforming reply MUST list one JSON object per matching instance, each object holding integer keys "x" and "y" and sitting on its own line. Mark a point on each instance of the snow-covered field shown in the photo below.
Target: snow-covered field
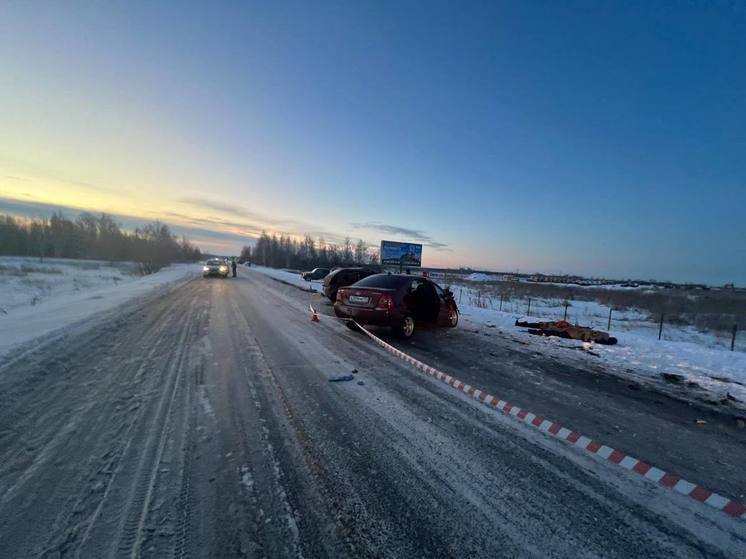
{"x": 637, "y": 354}
{"x": 38, "y": 298}
{"x": 591, "y": 313}
{"x": 700, "y": 357}
{"x": 697, "y": 357}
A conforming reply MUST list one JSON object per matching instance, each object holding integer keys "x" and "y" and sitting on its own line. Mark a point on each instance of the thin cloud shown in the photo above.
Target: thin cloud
{"x": 218, "y": 207}
{"x": 19, "y": 179}
{"x": 412, "y": 234}
{"x": 238, "y": 211}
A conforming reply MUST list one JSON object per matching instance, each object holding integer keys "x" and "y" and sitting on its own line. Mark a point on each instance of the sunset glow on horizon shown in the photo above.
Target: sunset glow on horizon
{"x": 583, "y": 152}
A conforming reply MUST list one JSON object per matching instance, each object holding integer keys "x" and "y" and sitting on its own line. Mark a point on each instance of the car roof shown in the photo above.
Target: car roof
{"x": 352, "y": 269}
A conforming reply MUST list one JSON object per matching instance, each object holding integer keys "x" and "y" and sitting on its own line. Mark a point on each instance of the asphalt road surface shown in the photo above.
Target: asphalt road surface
{"x": 201, "y": 423}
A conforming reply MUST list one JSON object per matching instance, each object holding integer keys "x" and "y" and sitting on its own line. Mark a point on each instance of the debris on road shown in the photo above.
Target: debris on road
{"x": 360, "y": 382}
{"x": 564, "y": 329}
{"x": 343, "y": 378}
{"x": 701, "y": 422}
{"x": 672, "y": 377}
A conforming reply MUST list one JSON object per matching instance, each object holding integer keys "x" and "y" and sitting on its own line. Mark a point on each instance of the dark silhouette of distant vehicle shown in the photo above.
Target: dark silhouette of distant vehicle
{"x": 397, "y": 300}
{"x": 315, "y": 274}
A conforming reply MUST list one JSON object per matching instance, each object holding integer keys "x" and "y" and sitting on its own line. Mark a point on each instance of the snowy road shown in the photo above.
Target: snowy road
{"x": 200, "y": 422}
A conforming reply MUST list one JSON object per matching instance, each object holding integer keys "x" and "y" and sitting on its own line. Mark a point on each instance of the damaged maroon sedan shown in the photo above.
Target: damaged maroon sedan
{"x": 397, "y": 300}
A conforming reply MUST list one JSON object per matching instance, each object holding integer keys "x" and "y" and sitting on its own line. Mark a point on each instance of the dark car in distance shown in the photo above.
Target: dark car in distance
{"x": 315, "y": 274}
{"x": 341, "y": 277}
{"x": 399, "y": 301}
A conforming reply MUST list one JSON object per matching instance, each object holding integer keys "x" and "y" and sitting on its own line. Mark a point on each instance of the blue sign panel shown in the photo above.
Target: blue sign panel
{"x": 406, "y": 255}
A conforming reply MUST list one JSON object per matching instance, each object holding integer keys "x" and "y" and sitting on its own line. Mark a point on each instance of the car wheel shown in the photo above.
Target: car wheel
{"x": 405, "y": 329}
{"x": 452, "y": 318}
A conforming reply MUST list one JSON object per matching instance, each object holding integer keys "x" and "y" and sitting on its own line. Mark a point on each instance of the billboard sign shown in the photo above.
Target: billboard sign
{"x": 406, "y": 255}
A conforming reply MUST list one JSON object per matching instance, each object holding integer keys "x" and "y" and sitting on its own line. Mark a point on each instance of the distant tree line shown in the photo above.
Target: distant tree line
{"x": 286, "y": 252}
{"x": 94, "y": 237}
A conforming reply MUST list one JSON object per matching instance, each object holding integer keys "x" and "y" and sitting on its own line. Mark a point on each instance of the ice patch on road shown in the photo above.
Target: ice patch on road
{"x": 246, "y": 479}
{"x": 205, "y": 401}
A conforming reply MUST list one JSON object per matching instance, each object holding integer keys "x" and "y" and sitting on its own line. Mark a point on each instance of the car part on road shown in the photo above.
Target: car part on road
{"x": 342, "y": 378}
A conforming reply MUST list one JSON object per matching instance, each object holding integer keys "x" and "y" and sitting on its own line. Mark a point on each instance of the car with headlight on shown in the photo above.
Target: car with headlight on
{"x": 399, "y": 301}
{"x": 215, "y": 267}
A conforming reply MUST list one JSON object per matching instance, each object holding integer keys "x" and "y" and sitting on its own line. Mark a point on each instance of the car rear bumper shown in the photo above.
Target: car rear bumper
{"x": 363, "y": 315}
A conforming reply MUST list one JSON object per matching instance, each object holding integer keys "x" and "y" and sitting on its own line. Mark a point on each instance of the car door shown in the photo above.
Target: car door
{"x": 410, "y": 298}
{"x": 444, "y": 311}
{"x": 423, "y": 298}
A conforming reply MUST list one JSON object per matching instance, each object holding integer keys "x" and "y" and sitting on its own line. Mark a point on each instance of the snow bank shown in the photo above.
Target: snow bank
{"x": 38, "y": 298}
{"x": 291, "y": 277}
{"x": 478, "y": 276}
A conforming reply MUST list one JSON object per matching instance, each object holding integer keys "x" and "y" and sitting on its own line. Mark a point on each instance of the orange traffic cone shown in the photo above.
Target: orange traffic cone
{"x": 315, "y": 317}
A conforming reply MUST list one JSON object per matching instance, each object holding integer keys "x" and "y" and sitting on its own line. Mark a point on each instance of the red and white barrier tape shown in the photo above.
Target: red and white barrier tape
{"x": 671, "y": 481}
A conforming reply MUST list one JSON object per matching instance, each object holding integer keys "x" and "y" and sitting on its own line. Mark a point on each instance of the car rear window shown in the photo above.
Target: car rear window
{"x": 384, "y": 281}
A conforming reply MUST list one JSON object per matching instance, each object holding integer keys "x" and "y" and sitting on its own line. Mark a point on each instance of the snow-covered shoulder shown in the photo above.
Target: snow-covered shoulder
{"x": 39, "y": 298}
{"x": 289, "y": 276}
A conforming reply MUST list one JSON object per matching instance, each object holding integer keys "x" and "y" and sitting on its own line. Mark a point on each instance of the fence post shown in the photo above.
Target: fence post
{"x": 528, "y": 313}
{"x": 567, "y": 303}
{"x": 660, "y": 328}
{"x": 479, "y": 298}
{"x": 733, "y": 338}
{"x": 608, "y": 327}
{"x": 501, "y": 302}
{"x": 460, "y": 291}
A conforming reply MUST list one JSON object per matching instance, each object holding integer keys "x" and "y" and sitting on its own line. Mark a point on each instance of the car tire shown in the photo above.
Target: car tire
{"x": 453, "y": 319}
{"x": 405, "y": 328}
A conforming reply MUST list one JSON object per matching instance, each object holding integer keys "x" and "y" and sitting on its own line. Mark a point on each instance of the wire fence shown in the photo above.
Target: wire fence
{"x": 678, "y": 326}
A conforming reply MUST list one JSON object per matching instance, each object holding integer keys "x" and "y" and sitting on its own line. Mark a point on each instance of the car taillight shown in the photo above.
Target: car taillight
{"x": 385, "y": 302}
{"x": 340, "y": 293}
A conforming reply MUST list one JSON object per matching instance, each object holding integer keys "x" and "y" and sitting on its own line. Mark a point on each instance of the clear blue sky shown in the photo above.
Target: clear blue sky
{"x": 586, "y": 137}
